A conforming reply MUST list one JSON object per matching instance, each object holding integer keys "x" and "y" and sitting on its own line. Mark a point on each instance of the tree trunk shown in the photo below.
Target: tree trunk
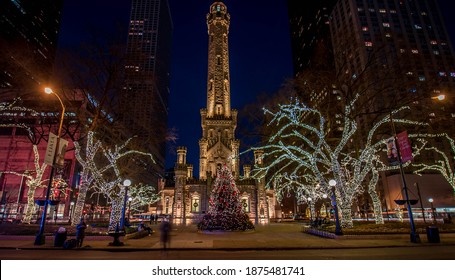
{"x": 377, "y": 207}
{"x": 80, "y": 203}
{"x": 116, "y": 212}
{"x": 375, "y": 198}
{"x": 30, "y": 205}
{"x": 346, "y": 217}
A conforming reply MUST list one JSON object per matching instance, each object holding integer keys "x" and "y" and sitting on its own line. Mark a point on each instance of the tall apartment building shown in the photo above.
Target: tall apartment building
{"x": 28, "y": 40}
{"x": 409, "y": 59}
{"x": 406, "y": 37}
{"x": 147, "y": 77}
{"x": 310, "y": 33}
{"x": 398, "y": 49}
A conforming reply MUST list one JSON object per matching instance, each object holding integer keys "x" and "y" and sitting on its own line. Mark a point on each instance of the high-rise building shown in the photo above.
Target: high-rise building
{"x": 310, "y": 34}
{"x": 312, "y": 50}
{"x": 406, "y": 37}
{"x": 187, "y": 198}
{"x": 28, "y": 41}
{"x": 391, "y": 52}
{"x": 398, "y": 53}
{"x": 147, "y": 77}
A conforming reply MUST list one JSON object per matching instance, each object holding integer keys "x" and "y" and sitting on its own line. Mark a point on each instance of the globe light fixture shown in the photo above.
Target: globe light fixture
{"x": 126, "y": 184}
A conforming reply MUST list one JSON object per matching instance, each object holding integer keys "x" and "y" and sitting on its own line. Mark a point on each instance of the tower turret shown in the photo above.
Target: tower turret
{"x": 218, "y": 145}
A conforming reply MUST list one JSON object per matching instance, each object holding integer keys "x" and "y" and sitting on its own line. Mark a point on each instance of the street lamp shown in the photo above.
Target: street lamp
{"x": 432, "y": 209}
{"x": 311, "y": 209}
{"x": 129, "y": 207}
{"x": 332, "y": 183}
{"x": 326, "y": 206}
{"x": 415, "y": 238}
{"x": 71, "y": 210}
{"x": 126, "y": 184}
{"x": 40, "y": 238}
{"x": 439, "y": 97}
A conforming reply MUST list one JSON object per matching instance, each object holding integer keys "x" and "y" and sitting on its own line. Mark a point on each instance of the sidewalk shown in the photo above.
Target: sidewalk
{"x": 270, "y": 237}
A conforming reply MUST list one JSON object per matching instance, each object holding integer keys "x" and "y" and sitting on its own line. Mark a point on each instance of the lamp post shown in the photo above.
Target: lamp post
{"x": 126, "y": 184}
{"x": 420, "y": 199}
{"x": 415, "y": 238}
{"x": 129, "y": 207}
{"x": 338, "y": 231}
{"x": 311, "y": 210}
{"x": 40, "y": 238}
{"x": 326, "y": 206}
{"x": 432, "y": 209}
{"x": 71, "y": 210}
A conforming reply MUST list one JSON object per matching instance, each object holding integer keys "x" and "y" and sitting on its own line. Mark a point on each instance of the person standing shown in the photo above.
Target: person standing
{"x": 165, "y": 229}
{"x": 152, "y": 219}
{"x": 80, "y": 233}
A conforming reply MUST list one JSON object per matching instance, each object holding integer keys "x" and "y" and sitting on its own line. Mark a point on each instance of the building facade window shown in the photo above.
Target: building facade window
{"x": 195, "y": 204}
{"x": 246, "y": 204}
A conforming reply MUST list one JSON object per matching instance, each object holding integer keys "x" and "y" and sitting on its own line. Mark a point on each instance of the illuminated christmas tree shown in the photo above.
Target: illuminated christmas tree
{"x": 225, "y": 207}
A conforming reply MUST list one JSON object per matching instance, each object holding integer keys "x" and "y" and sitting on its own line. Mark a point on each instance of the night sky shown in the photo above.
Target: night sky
{"x": 260, "y": 55}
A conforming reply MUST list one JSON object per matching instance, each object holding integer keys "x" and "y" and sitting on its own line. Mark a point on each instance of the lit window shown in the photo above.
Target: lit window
{"x": 422, "y": 78}
{"x": 436, "y": 52}
{"x": 386, "y": 24}
{"x": 195, "y": 205}
{"x": 402, "y": 50}
{"x": 433, "y": 42}
{"x": 414, "y": 51}
{"x": 365, "y": 28}
{"x": 382, "y": 11}
{"x": 452, "y": 74}
{"x": 410, "y": 73}
{"x": 417, "y": 26}
{"x": 246, "y": 204}
{"x": 393, "y": 11}
{"x": 442, "y": 74}
{"x": 368, "y": 44}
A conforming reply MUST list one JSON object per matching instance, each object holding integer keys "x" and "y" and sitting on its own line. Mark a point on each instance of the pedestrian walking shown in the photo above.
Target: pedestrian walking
{"x": 152, "y": 218}
{"x": 80, "y": 232}
{"x": 165, "y": 229}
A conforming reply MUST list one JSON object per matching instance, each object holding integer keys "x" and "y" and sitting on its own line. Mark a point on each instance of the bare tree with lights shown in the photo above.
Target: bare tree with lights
{"x": 101, "y": 172}
{"x": 13, "y": 113}
{"x": 444, "y": 165}
{"x": 298, "y": 149}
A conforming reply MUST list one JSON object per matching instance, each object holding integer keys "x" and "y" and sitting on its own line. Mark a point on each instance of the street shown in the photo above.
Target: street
{"x": 395, "y": 253}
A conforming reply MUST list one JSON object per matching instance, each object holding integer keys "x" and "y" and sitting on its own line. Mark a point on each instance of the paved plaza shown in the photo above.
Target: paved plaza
{"x": 270, "y": 237}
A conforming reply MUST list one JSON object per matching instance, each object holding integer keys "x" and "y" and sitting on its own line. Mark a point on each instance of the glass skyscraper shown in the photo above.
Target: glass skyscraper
{"x": 28, "y": 41}
{"x": 147, "y": 76}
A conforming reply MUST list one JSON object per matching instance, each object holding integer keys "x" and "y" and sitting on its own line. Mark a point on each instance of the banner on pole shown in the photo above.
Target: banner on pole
{"x": 392, "y": 153}
{"x": 60, "y": 160}
{"x": 405, "y": 147}
{"x": 50, "y": 150}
